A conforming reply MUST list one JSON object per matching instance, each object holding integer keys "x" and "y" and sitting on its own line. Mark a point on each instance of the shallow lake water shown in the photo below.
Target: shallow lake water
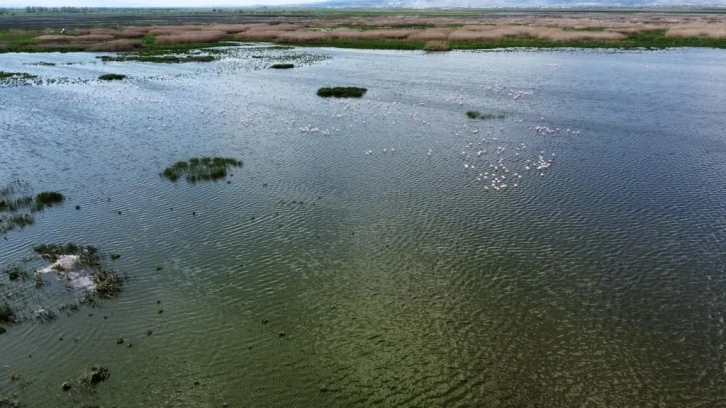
{"x": 370, "y": 233}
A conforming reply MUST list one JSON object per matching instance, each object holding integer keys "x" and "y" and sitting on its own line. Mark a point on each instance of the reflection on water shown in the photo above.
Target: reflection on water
{"x": 362, "y": 256}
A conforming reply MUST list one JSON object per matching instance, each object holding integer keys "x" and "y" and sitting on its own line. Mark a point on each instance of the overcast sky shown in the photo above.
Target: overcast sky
{"x": 147, "y": 3}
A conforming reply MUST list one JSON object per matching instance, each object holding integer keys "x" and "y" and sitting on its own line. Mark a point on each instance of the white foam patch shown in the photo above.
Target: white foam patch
{"x": 65, "y": 268}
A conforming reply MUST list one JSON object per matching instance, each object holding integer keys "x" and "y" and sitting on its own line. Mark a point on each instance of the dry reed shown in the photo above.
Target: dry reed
{"x": 437, "y": 46}
{"x": 303, "y": 36}
{"x": 191, "y": 37}
{"x": 696, "y": 31}
{"x": 117, "y": 46}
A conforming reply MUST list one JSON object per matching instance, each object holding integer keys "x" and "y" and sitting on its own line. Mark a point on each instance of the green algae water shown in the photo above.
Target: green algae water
{"x": 382, "y": 251}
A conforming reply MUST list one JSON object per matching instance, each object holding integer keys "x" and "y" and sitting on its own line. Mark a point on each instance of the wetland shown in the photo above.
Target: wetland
{"x": 386, "y": 249}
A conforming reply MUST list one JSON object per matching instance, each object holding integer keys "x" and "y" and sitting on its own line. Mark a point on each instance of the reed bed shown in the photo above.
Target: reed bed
{"x": 191, "y": 37}
{"x": 437, "y": 45}
{"x": 717, "y": 31}
{"x": 303, "y": 36}
{"x": 117, "y": 46}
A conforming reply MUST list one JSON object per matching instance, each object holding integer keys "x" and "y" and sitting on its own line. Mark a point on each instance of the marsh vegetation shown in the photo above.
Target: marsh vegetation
{"x": 421, "y": 30}
{"x": 111, "y": 77}
{"x": 159, "y": 59}
{"x": 342, "y": 92}
{"x": 94, "y": 376}
{"x": 483, "y": 116}
{"x": 282, "y": 66}
{"x": 201, "y": 169}
{"x": 17, "y": 205}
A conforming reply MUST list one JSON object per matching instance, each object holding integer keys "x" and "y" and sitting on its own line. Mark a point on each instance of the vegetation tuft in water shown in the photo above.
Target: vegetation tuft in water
{"x": 160, "y": 59}
{"x": 282, "y": 66}
{"x": 6, "y": 313}
{"x": 94, "y": 376}
{"x": 342, "y": 92}
{"x": 51, "y": 252}
{"x": 111, "y": 77}
{"x": 15, "y": 272}
{"x": 201, "y": 169}
{"x": 15, "y": 76}
{"x": 48, "y": 199}
{"x": 108, "y": 284}
{"x": 16, "y": 206}
{"x": 483, "y": 116}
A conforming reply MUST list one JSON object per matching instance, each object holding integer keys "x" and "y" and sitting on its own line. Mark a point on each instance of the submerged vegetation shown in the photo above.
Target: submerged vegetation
{"x": 342, "y": 92}
{"x": 14, "y": 272}
{"x": 6, "y": 313}
{"x": 16, "y": 75}
{"x": 48, "y": 199}
{"x": 106, "y": 283}
{"x": 17, "y": 207}
{"x": 111, "y": 77}
{"x": 94, "y": 376}
{"x": 201, "y": 169}
{"x": 16, "y": 78}
{"x": 81, "y": 268}
{"x": 483, "y": 116}
{"x": 159, "y": 59}
{"x": 282, "y": 66}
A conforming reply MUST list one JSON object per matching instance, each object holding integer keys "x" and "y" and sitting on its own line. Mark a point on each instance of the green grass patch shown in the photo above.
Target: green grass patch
{"x": 282, "y": 66}
{"x": 483, "y": 116}
{"x": 201, "y": 169}
{"x": 342, "y": 92}
{"x": 111, "y": 77}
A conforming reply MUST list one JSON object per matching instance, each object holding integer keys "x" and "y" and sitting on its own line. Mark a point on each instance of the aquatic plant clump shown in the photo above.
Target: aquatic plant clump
{"x": 282, "y": 66}
{"x": 48, "y": 198}
{"x": 482, "y": 116}
{"x": 342, "y": 92}
{"x": 160, "y": 59}
{"x": 83, "y": 266}
{"x": 111, "y": 77}
{"x": 15, "y": 78}
{"x": 94, "y": 376}
{"x": 14, "y": 272}
{"x": 6, "y": 313}
{"x": 201, "y": 169}
{"x": 16, "y": 207}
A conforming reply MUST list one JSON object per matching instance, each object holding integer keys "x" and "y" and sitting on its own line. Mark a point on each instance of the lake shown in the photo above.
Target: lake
{"x": 383, "y": 251}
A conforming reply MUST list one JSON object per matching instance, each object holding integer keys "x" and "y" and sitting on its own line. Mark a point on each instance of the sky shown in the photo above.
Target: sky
{"x": 250, "y": 3}
{"x": 148, "y": 3}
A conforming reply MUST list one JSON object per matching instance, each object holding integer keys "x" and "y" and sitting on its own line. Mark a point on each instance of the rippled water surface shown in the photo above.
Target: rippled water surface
{"x": 370, "y": 234}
